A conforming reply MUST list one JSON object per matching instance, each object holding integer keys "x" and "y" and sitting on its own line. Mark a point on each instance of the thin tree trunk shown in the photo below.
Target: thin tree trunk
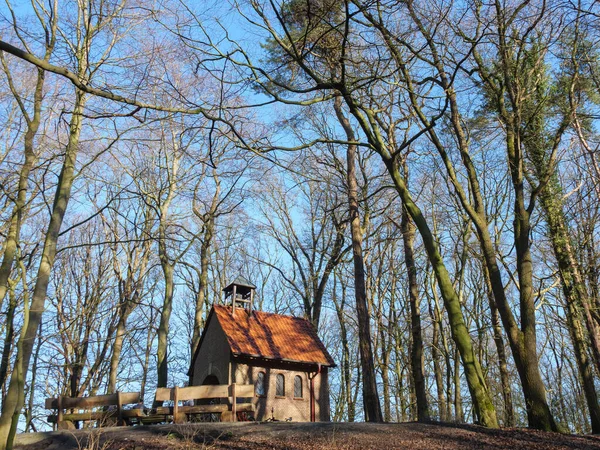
{"x": 435, "y": 316}
{"x": 163, "y": 327}
{"x": 437, "y": 369}
{"x": 459, "y": 415}
{"x": 475, "y": 379}
{"x": 130, "y": 291}
{"x": 416, "y": 352}
{"x": 208, "y": 220}
{"x": 509, "y": 416}
{"x": 8, "y": 337}
{"x": 584, "y": 366}
{"x": 15, "y": 397}
{"x": 146, "y": 365}
{"x": 385, "y": 379}
{"x": 400, "y": 375}
{"x": 558, "y": 364}
{"x": 574, "y": 291}
{"x": 200, "y": 295}
{"x": 523, "y": 341}
{"x": 168, "y": 268}
{"x": 202, "y": 287}
{"x": 33, "y": 124}
{"x": 346, "y": 370}
{"x": 115, "y": 356}
{"x": 593, "y": 279}
{"x": 370, "y": 397}
{"x": 29, "y": 426}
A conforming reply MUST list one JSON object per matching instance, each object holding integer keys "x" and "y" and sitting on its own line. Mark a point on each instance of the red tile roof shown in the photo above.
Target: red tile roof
{"x": 272, "y": 336}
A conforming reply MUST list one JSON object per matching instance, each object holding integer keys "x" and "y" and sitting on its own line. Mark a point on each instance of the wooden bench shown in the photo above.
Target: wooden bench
{"x": 228, "y": 411}
{"x": 88, "y": 408}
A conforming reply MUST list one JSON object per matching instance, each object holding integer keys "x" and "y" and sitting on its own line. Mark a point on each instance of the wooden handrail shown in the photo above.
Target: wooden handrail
{"x": 118, "y": 399}
{"x": 94, "y": 401}
{"x": 182, "y": 394}
{"x": 204, "y": 392}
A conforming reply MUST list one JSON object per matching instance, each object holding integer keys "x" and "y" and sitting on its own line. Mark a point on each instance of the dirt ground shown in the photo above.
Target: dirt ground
{"x": 281, "y": 435}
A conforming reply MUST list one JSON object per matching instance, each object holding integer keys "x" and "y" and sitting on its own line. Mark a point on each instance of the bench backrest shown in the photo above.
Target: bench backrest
{"x": 201, "y": 392}
{"x": 117, "y": 399}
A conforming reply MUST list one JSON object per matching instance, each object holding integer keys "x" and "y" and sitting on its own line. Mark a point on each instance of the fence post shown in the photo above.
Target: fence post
{"x": 175, "y": 404}
{"x": 59, "y": 414}
{"x": 119, "y": 409}
{"x": 233, "y": 404}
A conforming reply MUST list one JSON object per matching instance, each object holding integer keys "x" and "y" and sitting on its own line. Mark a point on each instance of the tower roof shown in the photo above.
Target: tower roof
{"x": 239, "y": 281}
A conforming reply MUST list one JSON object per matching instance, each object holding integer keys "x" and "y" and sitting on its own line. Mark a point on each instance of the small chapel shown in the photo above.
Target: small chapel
{"x": 282, "y": 356}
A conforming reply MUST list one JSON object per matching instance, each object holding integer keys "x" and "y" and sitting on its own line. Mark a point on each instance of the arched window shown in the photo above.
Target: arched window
{"x": 280, "y": 386}
{"x": 297, "y": 386}
{"x": 259, "y": 387}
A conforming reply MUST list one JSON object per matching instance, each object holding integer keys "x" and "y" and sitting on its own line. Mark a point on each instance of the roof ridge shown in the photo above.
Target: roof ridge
{"x": 259, "y": 311}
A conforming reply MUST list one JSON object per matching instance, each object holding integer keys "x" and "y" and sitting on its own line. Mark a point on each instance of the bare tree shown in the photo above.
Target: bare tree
{"x": 86, "y": 31}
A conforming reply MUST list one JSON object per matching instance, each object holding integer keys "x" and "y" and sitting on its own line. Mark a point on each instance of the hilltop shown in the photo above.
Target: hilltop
{"x": 281, "y": 435}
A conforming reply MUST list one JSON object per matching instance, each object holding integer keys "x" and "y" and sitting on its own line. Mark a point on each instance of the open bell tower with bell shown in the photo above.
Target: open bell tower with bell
{"x": 240, "y": 292}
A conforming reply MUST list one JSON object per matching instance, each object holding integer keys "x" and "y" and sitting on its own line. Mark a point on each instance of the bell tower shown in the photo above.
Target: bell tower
{"x": 241, "y": 292}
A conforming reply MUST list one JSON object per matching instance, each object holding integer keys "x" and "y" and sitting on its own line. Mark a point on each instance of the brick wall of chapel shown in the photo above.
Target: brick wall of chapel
{"x": 286, "y": 406}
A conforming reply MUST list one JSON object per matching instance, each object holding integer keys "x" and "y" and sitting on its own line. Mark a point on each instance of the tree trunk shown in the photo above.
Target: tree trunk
{"x": 8, "y": 338}
{"x": 435, "y": 356}
{"x": 163, "y": 327}
{"x": 593, "y": 279}
{"x": 202, "y": 285}
{"x": 115, "y": 356}
{"x": 459, "y": 415}
{"x": 29, "y": 426}
{"x": 475, "y": 379}
{"x": 131, "y": 288}
{"x": 385, "y": 379}
{"x": 437, "y": 369}
{"x": 146, "y": 365}
{"x": 14, "y": 230}
{"x": 346, "y": 369}
{"x": 509, "y": 415}
{"x": 574, "y": 291}
{"x": 15, "y": 397}
{"x": 370, "y": 397}
{"x": 416, "y": 352}
{"x": 523, "y": 341}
